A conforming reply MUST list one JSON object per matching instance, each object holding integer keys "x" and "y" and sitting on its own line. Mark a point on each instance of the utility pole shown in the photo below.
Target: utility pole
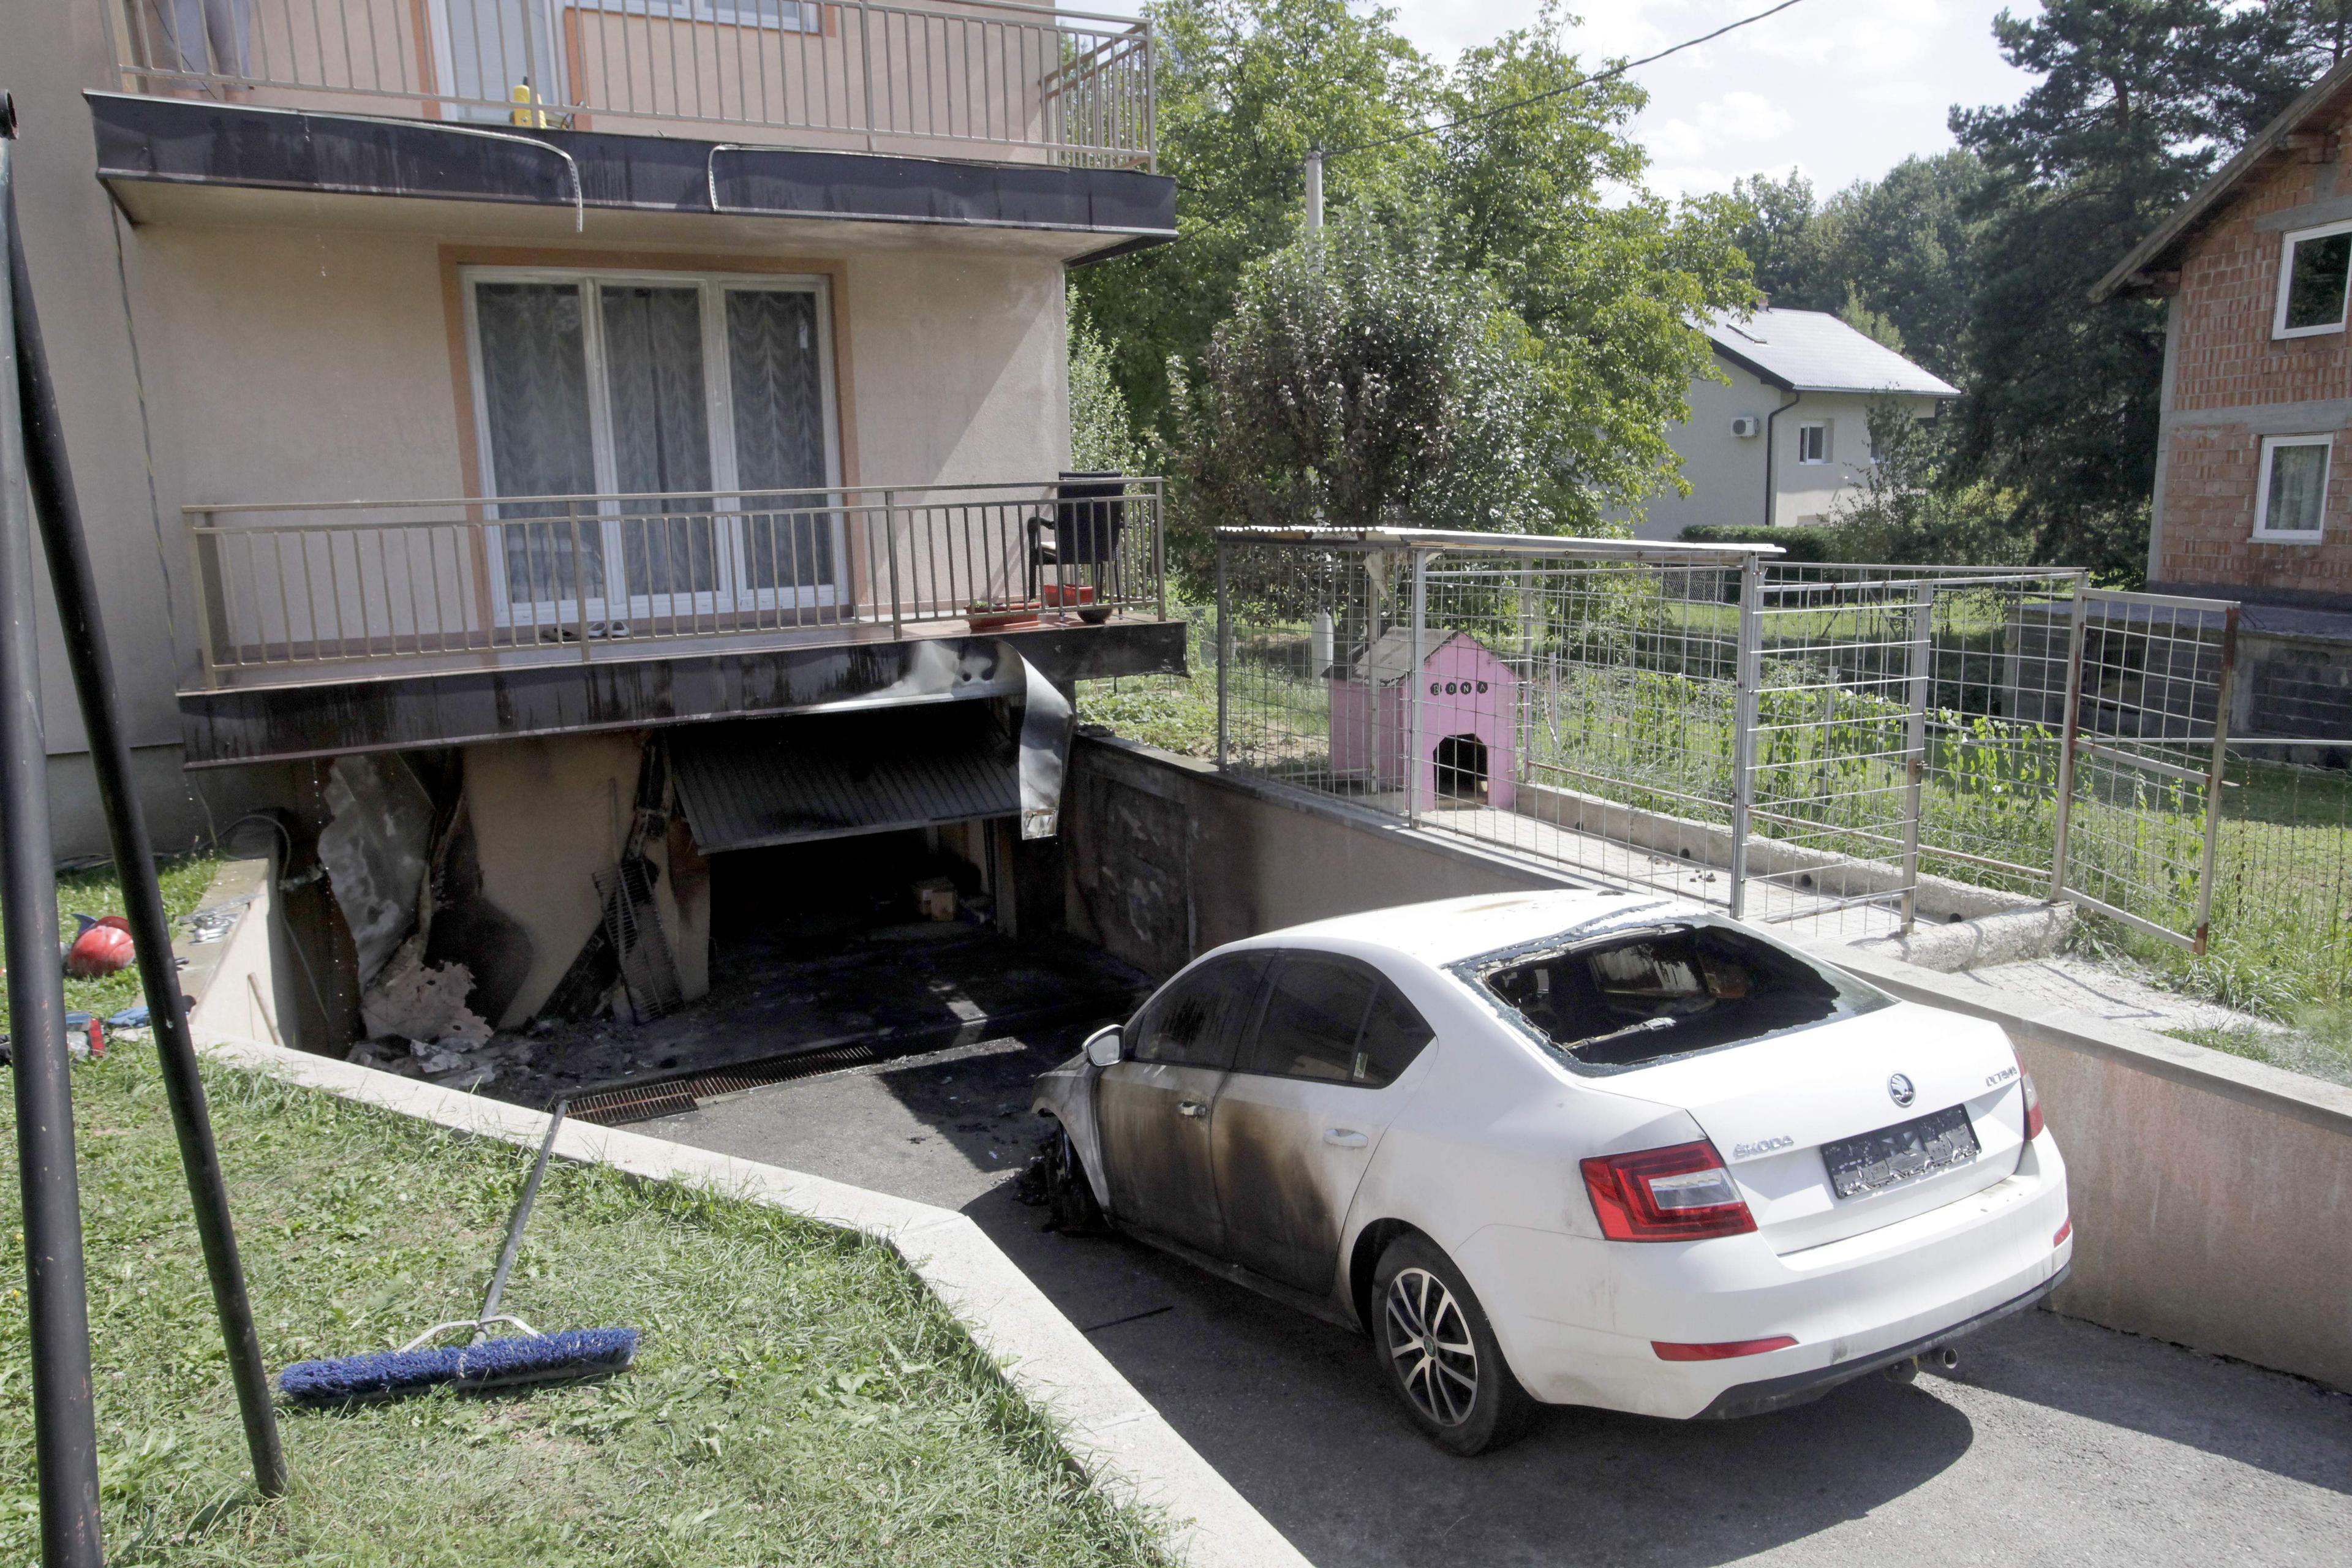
{"x": 1315, "y": 190}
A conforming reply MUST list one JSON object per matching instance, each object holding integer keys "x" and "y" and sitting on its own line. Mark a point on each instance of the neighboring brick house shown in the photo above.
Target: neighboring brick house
{"x": 2253, "y": 475}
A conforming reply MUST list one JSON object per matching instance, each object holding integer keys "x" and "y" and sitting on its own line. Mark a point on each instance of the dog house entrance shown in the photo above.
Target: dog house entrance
{"x": 1460, "y": 762}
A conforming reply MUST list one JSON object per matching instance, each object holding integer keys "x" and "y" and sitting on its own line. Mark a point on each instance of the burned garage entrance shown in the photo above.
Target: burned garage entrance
{"x": 864, "y": 876}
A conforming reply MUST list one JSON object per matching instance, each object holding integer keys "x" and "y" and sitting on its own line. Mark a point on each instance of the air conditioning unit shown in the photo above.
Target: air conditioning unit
{"x": 1746, "y": 425}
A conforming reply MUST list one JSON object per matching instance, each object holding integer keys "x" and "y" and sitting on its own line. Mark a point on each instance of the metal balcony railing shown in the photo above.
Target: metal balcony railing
{"x": 297, "y": 592}
{"x": 992, "y": 79}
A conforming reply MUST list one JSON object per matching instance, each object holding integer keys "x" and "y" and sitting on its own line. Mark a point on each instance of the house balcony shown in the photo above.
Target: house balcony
{"x": 980, "y": 79}
{"x": 364, "y": 626}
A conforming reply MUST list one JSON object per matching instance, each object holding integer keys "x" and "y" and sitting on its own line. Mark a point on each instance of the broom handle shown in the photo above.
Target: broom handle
{"x": 514, "y": 1226}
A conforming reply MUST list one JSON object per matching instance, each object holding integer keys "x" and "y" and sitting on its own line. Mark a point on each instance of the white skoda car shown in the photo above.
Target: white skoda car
{"x": 1573, "y": 1148}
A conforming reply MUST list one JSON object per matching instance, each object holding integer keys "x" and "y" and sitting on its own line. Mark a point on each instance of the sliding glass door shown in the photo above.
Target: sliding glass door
{"x": 676, "y": 406}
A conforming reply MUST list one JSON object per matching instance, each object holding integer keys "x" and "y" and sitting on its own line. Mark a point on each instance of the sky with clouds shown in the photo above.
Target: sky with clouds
{"x": 1842, "y": 89}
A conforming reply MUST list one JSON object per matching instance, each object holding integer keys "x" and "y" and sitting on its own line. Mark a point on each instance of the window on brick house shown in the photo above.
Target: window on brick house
{"x": 2314, "y": 269}
{"x": 2291, "y": 496}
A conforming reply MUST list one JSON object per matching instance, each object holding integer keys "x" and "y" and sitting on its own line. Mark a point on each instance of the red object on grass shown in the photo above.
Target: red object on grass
{"x": 105, "y": 947}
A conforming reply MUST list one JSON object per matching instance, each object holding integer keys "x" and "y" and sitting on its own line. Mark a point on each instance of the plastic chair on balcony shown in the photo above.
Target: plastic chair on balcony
{"x": 1089, "y": 515}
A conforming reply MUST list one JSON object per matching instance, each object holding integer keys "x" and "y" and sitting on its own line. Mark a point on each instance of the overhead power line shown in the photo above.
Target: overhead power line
{"x": 1613, "y": 72}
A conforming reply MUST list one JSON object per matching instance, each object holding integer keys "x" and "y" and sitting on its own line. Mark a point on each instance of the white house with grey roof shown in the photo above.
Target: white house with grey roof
{"x": 1790, "y": 432}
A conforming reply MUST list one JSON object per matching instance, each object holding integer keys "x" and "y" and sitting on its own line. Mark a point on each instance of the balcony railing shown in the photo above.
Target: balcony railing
{"x": 982, "y": 77}
{"x": 310, "y": 593}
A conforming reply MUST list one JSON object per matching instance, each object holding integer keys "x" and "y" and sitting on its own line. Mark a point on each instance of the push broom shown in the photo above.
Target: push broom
{"x": 510, "y": 1361}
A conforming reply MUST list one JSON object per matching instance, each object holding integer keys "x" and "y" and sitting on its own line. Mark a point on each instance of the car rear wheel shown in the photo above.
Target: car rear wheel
{"x": 1068, "y": 1195}
{"x": 1438, "y": 1355}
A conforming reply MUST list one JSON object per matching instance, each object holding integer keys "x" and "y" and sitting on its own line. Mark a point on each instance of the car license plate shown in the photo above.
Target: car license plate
{"x": 1906, "y": 1152}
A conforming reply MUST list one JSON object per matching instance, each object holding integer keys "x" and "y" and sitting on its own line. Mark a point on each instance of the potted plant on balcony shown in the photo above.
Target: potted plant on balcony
{"x": 992, "y": 615}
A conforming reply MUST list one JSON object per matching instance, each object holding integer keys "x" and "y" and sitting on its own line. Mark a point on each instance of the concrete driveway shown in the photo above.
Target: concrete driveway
{"x": 2055, "y": 1442}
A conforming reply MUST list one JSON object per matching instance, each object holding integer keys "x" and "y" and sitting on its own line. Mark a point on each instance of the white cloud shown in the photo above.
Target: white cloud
{"x": 1844, "y": 88}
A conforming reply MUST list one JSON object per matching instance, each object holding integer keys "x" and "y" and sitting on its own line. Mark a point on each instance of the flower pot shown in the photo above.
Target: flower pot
{"x": 998, "y": 620}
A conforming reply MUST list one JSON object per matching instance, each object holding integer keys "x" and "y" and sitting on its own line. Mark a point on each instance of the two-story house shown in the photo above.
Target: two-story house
{"x": 2253, "y": 478}
{"x": 1783, "y": 437}
{"x": 644, "y": 419}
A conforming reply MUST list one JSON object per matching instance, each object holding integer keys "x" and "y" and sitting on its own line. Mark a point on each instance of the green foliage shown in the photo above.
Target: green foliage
{"x": 2137, "y": 102}
{"x": 799, "y": 1397}
{"x": 1101, "y": 440}
{"x": 1531, "y": 201}
{"x": 1362, "y": 381}
{"x": 1892, "y": 250}
{"x": 1914, "y": 506}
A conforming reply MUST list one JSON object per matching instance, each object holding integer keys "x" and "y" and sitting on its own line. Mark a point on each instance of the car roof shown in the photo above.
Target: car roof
{"x": 1446, "y": 931}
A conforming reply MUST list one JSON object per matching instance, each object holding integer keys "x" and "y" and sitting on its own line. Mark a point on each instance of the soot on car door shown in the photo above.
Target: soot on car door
{"x": 1304, "y": 1110}
{"x": 1154, "y": 1108}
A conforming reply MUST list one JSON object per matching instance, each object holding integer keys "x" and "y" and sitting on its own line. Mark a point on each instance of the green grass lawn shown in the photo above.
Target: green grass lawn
{"x": 99, "y": 892}
{"x": 799, "y": 1398}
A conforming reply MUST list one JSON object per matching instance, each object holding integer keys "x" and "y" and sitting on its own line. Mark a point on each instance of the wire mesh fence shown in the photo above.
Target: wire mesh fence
{"x": 2282, "y": 886}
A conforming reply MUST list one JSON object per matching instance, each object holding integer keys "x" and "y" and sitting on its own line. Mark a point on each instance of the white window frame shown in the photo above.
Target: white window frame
{"x": 1823, "y": 426}
{"x": 720, "y": 415}
{"x": 2279, "y": 329}
{"x": 2262, "y": 491}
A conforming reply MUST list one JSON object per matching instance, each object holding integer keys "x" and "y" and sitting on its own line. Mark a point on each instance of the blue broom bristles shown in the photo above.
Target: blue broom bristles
{"x": 504, "y": 1362}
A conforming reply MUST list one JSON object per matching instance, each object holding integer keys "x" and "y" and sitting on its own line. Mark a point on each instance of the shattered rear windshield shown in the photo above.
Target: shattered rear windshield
{"x": 1641, "y": 997}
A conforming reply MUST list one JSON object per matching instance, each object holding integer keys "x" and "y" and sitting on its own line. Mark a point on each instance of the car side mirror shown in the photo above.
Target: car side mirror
{"x": 1106, "y": 1048}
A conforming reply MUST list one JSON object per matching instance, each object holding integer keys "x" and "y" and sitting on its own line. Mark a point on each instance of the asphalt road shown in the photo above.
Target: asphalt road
{"x": 2054, "y": 1443}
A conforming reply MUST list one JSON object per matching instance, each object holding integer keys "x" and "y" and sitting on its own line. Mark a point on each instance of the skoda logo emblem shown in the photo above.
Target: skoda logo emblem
{"x": 1899, "y": 1090}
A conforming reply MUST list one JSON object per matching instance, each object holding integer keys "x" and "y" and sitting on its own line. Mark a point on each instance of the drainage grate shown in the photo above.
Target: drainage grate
{"x": 645, "y": 1101}
{"x": 632, "y": 1104}
{"x": 632, "y": 923}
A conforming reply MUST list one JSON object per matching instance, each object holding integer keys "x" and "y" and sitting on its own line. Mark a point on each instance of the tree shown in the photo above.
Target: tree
{"x": 2135, "y": 100}
{"x": 1602, "y": 290}
{"x": 1608, "y": 283}
{"x": 1362, "y": 381}
{"x": 1892, "y": 250}
{"x": 1914, "y": 506}
{"x": 1101, "y": 440}
{"x": 1244, "y": 89}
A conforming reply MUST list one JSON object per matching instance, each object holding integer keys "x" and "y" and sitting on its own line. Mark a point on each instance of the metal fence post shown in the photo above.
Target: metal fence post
{"x": 1225, "y": 661}
{"x": 890, "y": 542}
{"x": 65, "y": 1434}
{"x": 1747, "y": 677}
{"x": 2214, "y": 792}
{"x": 2069, "y": 733}
{"x": 1915, "y": 745}
{"x": 1420, "y": 652}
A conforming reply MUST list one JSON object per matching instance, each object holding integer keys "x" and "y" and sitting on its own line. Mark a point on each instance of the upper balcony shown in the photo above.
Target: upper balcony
{"x": 362, "y": 626}
{"x": 977, "y": 80}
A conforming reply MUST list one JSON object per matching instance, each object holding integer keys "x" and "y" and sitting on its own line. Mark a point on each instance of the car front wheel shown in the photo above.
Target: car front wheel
{"x": 1438, "y": 1355}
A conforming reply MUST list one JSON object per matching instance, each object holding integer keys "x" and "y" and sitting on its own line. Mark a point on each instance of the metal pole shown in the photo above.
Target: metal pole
{"x": 1224, "y": 660}
{"x": 1915, "y": 745}
{"x": 1315, "y": 190}
{"x": 75, "y": 581}
{"x": 1747, "y": 677}
{"x": 65, "y": 1431}
{"x": 1420, "y": 652}
{"x": 2070, "y": 725}
{"x": 2214, "y": 780}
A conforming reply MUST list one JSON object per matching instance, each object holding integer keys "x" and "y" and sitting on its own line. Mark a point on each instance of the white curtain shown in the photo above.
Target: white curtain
{"x": 661, "y": 436}
{"x": 535, "y": 387}
{"x": 773, "y": 372}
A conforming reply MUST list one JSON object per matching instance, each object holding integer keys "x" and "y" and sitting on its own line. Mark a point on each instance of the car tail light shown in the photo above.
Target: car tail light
{"x": 1723, "y": 1351}
{"x": 2033, "y": 1106}
{"x": 2064, "y": 1232}
{"x": 1677, "y": 1194}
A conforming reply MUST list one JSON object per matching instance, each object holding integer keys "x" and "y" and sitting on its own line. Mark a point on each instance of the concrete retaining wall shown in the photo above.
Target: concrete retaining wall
{"x": 1168, "y": 857}
{"x": 2212, "y": 1196}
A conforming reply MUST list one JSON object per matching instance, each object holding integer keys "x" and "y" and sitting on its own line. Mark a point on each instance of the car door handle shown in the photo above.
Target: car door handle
{"x": 1190, "y": 1108}
{"x": 1344, "y": 1138}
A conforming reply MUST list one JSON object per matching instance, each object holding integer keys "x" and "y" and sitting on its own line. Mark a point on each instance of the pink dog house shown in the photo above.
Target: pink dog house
{"x": 1468, "y": 718}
